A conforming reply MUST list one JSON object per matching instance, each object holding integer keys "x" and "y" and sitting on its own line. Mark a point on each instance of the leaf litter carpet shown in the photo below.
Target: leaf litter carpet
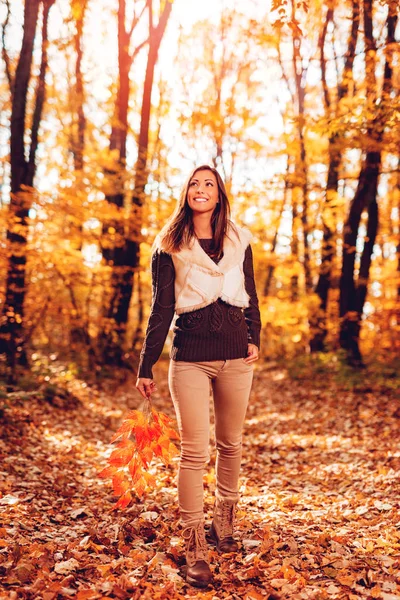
{"x": 318, "y": 518}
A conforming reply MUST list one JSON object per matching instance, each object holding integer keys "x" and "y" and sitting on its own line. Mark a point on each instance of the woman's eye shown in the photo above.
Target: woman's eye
{"x": 209, "y": 183}
{"x": 192, "y": 183}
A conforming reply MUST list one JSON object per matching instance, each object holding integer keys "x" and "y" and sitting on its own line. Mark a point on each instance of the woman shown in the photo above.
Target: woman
{"x": 202, "y": 270}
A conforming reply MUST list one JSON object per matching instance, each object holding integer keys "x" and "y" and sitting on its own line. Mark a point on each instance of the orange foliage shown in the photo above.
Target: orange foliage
{"x": 143, "y": 435}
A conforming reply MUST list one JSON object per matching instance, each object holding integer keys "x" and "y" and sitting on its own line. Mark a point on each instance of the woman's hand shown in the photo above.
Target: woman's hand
{"x": 145, "y": 386}
{"x": 252, "y": 354}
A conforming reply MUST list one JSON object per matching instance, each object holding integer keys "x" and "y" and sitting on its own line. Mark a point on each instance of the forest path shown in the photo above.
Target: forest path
{"x": 318, "y": 517}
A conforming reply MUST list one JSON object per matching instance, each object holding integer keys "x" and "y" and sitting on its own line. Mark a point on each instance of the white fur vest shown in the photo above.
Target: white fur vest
{"x": 200, "y": 282}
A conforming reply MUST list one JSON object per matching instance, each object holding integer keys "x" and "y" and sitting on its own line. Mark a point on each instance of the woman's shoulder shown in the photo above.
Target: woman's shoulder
{"x": 161, "y": 261}
{"x": 158, "y": 246}
{"x": 244, "y": 235}
{"x": 158, "y": 254}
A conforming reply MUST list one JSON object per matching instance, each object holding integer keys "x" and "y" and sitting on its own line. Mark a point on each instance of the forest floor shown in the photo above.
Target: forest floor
{"x": 320, "y": 494}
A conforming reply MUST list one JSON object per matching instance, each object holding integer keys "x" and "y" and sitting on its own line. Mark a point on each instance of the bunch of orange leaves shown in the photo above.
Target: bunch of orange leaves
{"x": 144, "y": 435}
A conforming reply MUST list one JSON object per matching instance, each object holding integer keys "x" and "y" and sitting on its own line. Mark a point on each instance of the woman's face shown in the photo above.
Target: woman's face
{"x": 202, "y": 196}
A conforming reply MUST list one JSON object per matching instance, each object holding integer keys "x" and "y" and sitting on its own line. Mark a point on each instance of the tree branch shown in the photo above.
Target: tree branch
{"x": 137, "y": 50}
{"x": 370, "y": 51}
{"x": 284, "y": 74}
{"x": 391, "y": 23}
{"x": 38, "y": 320}
{"x": 343, "y": 88}
{"x": 151, "y": 22}
{"x": 136, "y": 19}
{"x": 40, "y": 90}
{"x": 4, "y": 52}
{"x": 321, "y": 43}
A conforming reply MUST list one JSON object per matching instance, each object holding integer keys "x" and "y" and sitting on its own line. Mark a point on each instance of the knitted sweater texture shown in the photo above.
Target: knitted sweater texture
{"x": 218, "y": 331}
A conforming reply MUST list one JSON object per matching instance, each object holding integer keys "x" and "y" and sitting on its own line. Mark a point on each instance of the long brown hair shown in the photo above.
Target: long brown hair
{"x": 179, "y": 229}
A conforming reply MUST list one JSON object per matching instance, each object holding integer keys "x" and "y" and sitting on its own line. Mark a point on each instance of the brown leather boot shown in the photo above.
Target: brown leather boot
{"x": 198, "y": 571}
{"x": 220, "y": 533}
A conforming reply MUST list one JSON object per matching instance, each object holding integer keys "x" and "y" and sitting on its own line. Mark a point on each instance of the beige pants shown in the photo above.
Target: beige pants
{"x": 189, "y": 384}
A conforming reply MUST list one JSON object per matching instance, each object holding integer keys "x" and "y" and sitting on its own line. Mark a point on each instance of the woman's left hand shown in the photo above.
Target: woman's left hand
{"x": 252, "y": 354}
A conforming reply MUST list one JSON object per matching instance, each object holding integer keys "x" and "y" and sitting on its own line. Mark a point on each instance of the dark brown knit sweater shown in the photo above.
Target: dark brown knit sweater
{"x": 217, "y": 332}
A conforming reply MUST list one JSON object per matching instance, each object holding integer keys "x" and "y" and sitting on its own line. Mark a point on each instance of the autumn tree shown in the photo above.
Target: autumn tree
{"x": 334, "y": 106}
{"x": 23, "y": 168}
{"x": 79, "y": 330}
{"x": 121, "y": 241}
{"x": 298, "y": 170}
{"x": 301, "y": 120}
{"x": 220, "y": 98}
{"x": 353, "y": 289}
{"x": 79, "y": 10}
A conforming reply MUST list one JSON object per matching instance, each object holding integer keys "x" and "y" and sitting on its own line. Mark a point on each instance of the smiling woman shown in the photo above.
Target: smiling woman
{"x": 202, "y": 270}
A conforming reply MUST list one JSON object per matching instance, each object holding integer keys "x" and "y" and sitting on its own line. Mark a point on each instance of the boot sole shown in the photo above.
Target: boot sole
{"x": 197, "y": 584}
{"x": 194, "y": 583}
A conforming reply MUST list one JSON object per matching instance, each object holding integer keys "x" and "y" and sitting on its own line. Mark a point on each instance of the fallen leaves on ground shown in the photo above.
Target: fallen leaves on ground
{"x": 318, "y": 518}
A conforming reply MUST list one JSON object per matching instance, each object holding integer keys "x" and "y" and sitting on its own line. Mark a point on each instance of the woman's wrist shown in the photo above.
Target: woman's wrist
{"x": 145, "y": 371}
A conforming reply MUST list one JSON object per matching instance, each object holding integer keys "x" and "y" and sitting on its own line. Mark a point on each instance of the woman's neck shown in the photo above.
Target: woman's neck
{"x": 202, "y": 226}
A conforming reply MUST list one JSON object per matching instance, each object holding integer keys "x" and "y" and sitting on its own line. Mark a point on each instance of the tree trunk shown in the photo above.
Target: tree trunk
{"x": 78, "y": 145}
{"x": 398, "y": 275}
{"x": 364, "y": 197}
{"x": 113, "y": 237}
{"x": 301, "y": 166}
{"x": 318, "y": 321}
{"x": 294, "y": 280}
{"x": 366, "y": 256}
{"x": 138, "y": 335}
{"x": 79, "y": 335}
{"x": 22, "y": 176}
{"x": 271, "y": 268}
{"x": 114, "y": 244}
{"x": 127, "y": 257}
{"x": 398, "y": 245}
{"x": 352, "y": 294}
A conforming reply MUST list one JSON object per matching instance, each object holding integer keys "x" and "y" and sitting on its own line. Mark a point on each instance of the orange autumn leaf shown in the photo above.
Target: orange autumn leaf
{"x": 124, "y": 500}
{"x": 161, "y": 417}
{"x": 140, "y": 487}
{"x": 141, "y": 436}
{"x": 120, "y": 483}
{"x": 165, "y": 456}
{"x": 125, "y": 430}
{"x": 157, "y": 450}
{"x": 137, "y": 416}
{"x": 122, "y": 455}
{"x": 172, "y": 434}
{"x": 146, "y": 455}
{"x": 134, "y": 470}
{"x": 133, "y": 466}
{"x": 164, "y": 442}
{"x": 108, "y": 472}
{"x": 172, "y": 449}
{"x": 154, "y": 431}
{"x": 150, "y": 479}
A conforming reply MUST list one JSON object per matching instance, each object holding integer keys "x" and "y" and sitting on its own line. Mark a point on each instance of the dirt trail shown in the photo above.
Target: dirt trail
{"x": 319, "y": 513}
